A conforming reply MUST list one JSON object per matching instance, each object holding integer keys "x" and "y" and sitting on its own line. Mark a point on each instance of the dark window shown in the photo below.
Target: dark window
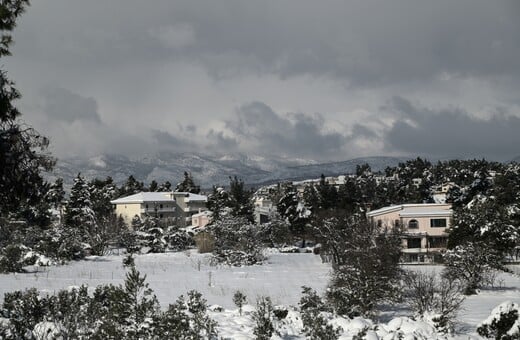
{"x": 160, "y": 215}
{"x": 438, "y": 223}
{"x": 413, "y": 224}
{"x": 160, "y": 206}
{"x": 437, "y": 242}
{"x": 379, "y": 223}
{"x": 147, "y": 206}
{"x": 264, "y": 218}
{"x": 413, "y": 243}
{"x": 397, "y": 223}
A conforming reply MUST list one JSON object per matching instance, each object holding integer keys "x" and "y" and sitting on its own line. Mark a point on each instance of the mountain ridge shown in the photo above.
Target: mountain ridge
{"x": 209, "y": 170}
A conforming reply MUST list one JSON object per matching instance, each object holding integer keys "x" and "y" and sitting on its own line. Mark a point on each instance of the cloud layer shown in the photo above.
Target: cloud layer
{"x": 291, "y": 78}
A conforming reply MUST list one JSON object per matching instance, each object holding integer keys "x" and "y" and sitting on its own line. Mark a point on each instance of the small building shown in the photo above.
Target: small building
{"x": 424, "y": 228}
{"x": 201, "y": 219}
{"x": 174, "y": 207}
{"x": 263, "y": 209}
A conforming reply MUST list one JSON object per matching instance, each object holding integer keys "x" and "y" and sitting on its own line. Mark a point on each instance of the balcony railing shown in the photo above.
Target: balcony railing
{"x": 158, "y": 210}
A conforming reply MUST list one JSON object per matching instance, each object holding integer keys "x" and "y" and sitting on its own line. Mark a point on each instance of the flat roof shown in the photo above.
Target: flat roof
{"x": 161, "y": 196}
{"x": 417, "y": 209}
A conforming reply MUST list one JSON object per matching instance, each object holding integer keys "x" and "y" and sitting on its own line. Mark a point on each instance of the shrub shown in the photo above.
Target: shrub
{"x": 239, "y": 299}
{"x": 472, "y": 264}
{"x": 429, "y": 296}
{"x": 503, "y": 323}
{"x": 205, "y": 242}
{"x": 263, "y": 319}
{"x": 11, "y": 258}
{"x": 312, "y": 311}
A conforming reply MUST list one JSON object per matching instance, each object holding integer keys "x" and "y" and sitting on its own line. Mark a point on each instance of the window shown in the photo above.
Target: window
{"x": 438, "y": 223}
{"x": 437, "y": 242}
{"x": 147, "y": 206}
{"x": 413, "y": 224}
{"x": 413, "y": 243}
{"x": 160, "y": 206}
{"x": 379, "y": 223}
{"x": 397, "y": 223}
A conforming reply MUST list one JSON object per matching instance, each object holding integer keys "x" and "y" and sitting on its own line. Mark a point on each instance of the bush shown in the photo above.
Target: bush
{"x": 236, "y": 242}
{"x": 365, "y": 259}
{"x": 503, "y": 323}
{"x": 263, "y": 319}
{"x": 239, "y": 299}
{"x": 312, "y": 311}
{"x": 11, "y": 259}
{"x": 205, "y": 242}
{"x": 472, "y": 264}
{"x": 432, "y": 298}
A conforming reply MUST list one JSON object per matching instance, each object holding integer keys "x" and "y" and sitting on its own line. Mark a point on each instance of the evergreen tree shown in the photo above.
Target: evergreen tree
{"x": 22, "y": 150}
{"x": 218, "y": 202}
{"x": 365, "y": 260}
{"x": 153, "y": 186}
{"x": 187, "y": 184}
{"x": 140, "y": 305}
{"x": 240, "y": 199}
{"x": 294, "y": 212}
{"x": 166, "y": 186}
{"x": 131, "y": 187}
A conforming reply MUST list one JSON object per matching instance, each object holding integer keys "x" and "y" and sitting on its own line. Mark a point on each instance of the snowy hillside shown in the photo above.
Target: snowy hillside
{"x": 208, "y": 170}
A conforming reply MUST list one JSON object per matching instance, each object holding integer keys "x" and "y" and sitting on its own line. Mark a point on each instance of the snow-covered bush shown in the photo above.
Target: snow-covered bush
{"x": 503, "y": 323}
{"x": 472, "y": 264}
{"x": 365, "y": 260}
{"x": 239, "y": 299}
{"x": 433, "y": 299}
{"x": 130, "y": 311}
{"x": 263, "y": 319}
{"x": 236, "y": 241}
{"x": 315, "y": 317}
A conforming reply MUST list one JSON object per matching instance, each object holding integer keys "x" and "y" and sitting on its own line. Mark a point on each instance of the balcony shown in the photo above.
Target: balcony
{"x": 157, "y": 210}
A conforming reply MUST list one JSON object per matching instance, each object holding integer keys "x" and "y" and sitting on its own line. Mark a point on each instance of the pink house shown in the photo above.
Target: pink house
{"x": 424, "y": 227}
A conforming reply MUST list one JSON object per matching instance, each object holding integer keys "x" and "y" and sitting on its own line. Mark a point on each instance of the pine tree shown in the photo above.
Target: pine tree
{"x": 22, "y": 150}
{"x": 187, "y": 184}
{"x": 131, "y": 187}
{"x": 240, "y": 199}
{"x": 153, "y": 186}
{"x": 140, "y": 305}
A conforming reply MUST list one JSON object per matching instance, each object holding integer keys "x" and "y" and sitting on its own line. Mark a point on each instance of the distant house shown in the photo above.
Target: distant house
{"x": 201, "y": 219}
{"x": 176, "y": 207}
{"x": 263, "y": 209}
{"x": 424, "y": 227}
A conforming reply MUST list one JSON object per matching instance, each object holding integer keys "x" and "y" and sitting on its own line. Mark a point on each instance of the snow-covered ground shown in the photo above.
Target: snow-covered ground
{"x": 281, "y": 278}
{"x": 173, "y": 274}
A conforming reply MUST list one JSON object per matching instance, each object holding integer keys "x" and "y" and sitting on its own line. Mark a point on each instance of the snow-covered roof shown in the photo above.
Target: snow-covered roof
{"x": 164, "y": 196}
{"x": 192, "y": 197}
{"x": 203, "y": 213}
{"x": 415, "y": 210}
{"x": 145, "y": 197}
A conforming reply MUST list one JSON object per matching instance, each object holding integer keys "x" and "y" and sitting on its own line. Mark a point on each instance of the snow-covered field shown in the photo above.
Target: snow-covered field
{"x": 281, "y": 278}
{"x": 173, "y": 274}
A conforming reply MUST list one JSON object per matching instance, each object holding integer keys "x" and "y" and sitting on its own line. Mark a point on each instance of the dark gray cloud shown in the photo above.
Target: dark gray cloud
{"x": 363, "y": 42}
{"x": 452, "y": 132}
{"x": 174, "y": 72}
{"x": 62, "y": 104}
{"x": 295, "y": 134}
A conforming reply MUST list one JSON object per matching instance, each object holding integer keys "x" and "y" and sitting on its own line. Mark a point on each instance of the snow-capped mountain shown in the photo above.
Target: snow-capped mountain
{"x": 208, "y": 170}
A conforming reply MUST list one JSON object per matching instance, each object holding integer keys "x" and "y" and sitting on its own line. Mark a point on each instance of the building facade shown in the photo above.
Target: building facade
{"x": 175, "y": 207}
{"x": 424, "y": 228}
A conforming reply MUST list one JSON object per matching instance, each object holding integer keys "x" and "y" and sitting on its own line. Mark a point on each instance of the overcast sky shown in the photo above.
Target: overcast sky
{"x": 323, "y": 80}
